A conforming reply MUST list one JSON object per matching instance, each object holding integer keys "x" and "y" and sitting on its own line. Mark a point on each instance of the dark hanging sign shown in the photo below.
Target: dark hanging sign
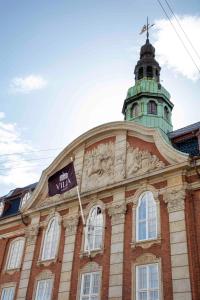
{"x": 63, "y": 180}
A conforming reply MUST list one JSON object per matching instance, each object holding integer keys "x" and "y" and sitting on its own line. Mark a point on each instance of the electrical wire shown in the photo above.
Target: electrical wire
{"x": 185, "y": 34}
{"x": 185, "y": 47}
{"x": 30, "y": 152}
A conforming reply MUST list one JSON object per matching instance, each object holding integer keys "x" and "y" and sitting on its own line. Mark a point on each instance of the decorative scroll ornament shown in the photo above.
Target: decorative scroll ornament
{"x": 117, "y": 212}
{"x": 141, "y": 161}
{"x": 31, "y": 233}
{"x": 175, "y": 199}
{"x": 70, "y": 223}
{"x": 98, "y": 166}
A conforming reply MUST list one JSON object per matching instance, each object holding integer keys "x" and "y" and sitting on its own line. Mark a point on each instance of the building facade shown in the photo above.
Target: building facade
{"x": 141, "y": 203}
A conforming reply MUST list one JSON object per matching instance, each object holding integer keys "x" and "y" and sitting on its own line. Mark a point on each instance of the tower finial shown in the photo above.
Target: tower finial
{"x": 147, "y": 28}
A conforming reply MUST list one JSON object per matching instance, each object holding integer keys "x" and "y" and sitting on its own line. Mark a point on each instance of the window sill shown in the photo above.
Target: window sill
{"x": 93, "y": 253}
{"x": 47, "y": 262}
{"x": 11, "y": 271}
{"x": 146, "y": 244}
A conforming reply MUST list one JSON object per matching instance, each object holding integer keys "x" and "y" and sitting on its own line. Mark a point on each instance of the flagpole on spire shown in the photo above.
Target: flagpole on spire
{"x": 147, "y": 28}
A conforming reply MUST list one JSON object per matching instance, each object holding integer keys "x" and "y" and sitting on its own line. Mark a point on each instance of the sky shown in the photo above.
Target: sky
{"x": 66, "y": 66}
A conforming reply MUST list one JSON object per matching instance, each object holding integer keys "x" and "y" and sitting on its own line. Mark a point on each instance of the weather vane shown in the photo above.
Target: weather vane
{"x": 146, "y": 28}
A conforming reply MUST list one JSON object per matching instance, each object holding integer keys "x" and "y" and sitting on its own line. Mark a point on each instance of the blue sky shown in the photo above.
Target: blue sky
{"x": 66, "y": 67}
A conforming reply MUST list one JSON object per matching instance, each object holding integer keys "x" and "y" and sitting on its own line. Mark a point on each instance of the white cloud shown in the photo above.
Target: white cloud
{"x": 27, "y": 84}
{"x": 171, "y": 52}
{"x": 2, "y": 115}
{"x": 15, "y": 169}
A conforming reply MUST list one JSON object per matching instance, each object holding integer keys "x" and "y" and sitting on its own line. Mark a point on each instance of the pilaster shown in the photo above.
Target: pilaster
{"x": 175, "y": 199}
{"x": 117, "y": 213}
{"x": 31, "y": 233}
{"x": 70, "y": 222}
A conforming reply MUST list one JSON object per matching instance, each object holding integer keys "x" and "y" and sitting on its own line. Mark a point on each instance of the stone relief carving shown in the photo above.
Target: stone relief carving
{"x": 146, "y": 258}
{"x": 117, "y": 212}
{"x": 31, "y": 233}
{"x": 141, "y": 161}
{"x": 174, "y": 198}
{"x": 98, "y": 166}
{"x": 70, "y": 223}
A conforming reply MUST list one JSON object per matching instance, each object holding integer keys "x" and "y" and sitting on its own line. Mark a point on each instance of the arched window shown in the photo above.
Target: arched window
{"x": 152, "y": 107}
{"x": 15, "y": 254}
{"x": 94, "y": 229}
{"x": 149, "y": 72}
{"x": 140, "y": 73}
{"x": 135, "y": 110}
{"x": 166, "y": 113}
{"x": 146, "y": 217}
{"x": 51, "y": 239}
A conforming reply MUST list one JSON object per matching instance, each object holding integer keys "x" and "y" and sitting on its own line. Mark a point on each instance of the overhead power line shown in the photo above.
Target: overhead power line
{"x": 181, "y": 40}
{"x": 185, "y": 34}
{"x": 30, "y": 152}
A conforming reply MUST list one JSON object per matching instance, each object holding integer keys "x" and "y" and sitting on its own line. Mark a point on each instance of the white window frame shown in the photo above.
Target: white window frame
{"x": 93, "y": 248}
{"x": 148, "y": 289}
{"x": 26, "y": 197}
{"x": 12, "y": 296}
{"x": 145, "y": 194}
{"x": 45, "y": 281}
{"x": 45, "y": 237}
{"x": 19, "y": 255}
{"x": 2, "y": 206}
{"x": 90, "y": 295}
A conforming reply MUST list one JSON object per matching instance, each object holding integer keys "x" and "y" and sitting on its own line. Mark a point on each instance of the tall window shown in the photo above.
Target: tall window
{"x": 51, "y": 239}
{"x": 44, "y": 289}
{"x": 135, "y": 110}
{"x": 166, "y": 113}
{"x": 152, "y": 108}
{"x": 146, "y": 223}
{"x": 140, "y": 73}
{"x": 90, "y": 286}
{"x": 94, "y": 229}
{"x": 147, "y": 282}
{"x": 15, "y": 254}
{"x": 149, "y": 72}
{"x": 8, "y": 293}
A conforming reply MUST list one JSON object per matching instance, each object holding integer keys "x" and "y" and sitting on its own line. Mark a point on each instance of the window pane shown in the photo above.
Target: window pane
{"x": 142, "y": 209}
{"x": 153, "y": 276}
{"x": 153, "y": 295}
{"x": 43, "y": 291}
{"x": 142, "y": 230}
{"x": 51, "y": 240}
{"x": 8, "y": 293}
{"x": 142, "y": 278}
{"x": 95, "y": 283}
{"x": 86, "y": 284}
{"x": 15, "y": 254}
{"x": 142, "y": 296}
{"x": 152, "y": 217}
{"x": 94, "y": 229}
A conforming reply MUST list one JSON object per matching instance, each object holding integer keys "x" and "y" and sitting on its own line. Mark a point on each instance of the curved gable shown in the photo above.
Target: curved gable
{"x": 108, "y": 154}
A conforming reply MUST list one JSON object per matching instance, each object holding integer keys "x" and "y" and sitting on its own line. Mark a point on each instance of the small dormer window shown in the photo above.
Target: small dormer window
{"x": 1, "y": 208}
{"x": 135, "y": 110}
{"x": 152, "y": 108}
{"x": 25, "y": 198}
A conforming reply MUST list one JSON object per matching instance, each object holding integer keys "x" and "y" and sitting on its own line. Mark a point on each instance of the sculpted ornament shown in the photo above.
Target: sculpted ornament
{"x": 98, "y": 166}
{"x": 141, "y": 161}
{"x": 31, "y": 233}
{"x": 175, "y": 199}
{"x": 70, "y": 223}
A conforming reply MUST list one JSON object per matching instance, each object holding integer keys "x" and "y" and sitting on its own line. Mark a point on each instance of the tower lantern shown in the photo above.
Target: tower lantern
{"x": 148, "y": 102}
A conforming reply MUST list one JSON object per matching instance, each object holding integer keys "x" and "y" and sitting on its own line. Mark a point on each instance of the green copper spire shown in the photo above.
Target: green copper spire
{"x": 148, "y": 102}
